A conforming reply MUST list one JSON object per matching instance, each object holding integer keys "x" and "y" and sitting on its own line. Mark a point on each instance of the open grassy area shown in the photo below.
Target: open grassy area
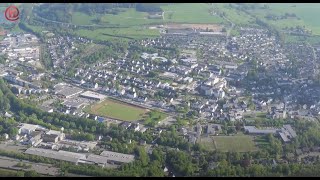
{"x": 189, "y": 13}
{"x": 10, "y": 173}
{"x": 261, "y": 142}
{"x": 239, "y": 143}
{"x": 314, "y": 40}
{"x": 79, "y": 18}
{"x": 237, "y": 17}
{"x": 117, "y": 110}
{"x": 153, "y": 117}
{"x": 130, "y": 17}
{"x": 306, "y": 13}
{"x": 132, "y": 24}
{"x": 207, "y": 143}
{"x": 116, "y": 33}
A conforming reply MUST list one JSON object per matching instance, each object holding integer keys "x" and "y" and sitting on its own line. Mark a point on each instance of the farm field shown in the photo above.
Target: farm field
{"x": 314, "y": 40}
{"x": 190, "y": 13}
{"x": 130, "y": 17}
{"x": 131, "y": 24}
{"x": 116, "y": 33}
{"x": 306, "y": 12}
{"x": 236, "y": 16}
{"x": 117, "y": 110}
{"x": 238, "y": 143}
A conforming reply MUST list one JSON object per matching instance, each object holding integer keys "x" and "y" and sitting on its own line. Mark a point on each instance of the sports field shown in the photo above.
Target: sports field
{"x": 117, "y": 110}
{"x": 241, "y": 143}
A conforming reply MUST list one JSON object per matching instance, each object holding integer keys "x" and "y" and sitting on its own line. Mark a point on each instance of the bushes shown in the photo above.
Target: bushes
{"x": 144, "y": 7}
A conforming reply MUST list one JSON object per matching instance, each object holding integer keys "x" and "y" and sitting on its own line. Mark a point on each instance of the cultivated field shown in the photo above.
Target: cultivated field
{"x": 190, "y": 13}
{"x": 117, "y": 110}
{"x": 306, "y": 13}
{"x": 241, "y": 143}
{"x": 234, "y": 15}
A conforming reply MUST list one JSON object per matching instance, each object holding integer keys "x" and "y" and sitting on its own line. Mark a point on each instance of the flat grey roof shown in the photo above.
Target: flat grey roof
{"x": 67, "y": 90}
{"x": 88, "y": 144}
{"x": 54, "y": 132}
{"x": 284, "y": 137}
{"x": 97, "y": 159}
{"x": 119, "y": 157}
{"x": 74, "y": 103}
{"x": 291, "y": 131}
{"x": 59, "y": 155}
{"x": 254, "y": 130}
{"x": 31, "y": 127}
{"x": 91, "y": 94}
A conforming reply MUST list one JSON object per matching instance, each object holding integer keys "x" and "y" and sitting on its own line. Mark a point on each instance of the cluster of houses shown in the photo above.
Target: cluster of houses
{"x": 62, "y": 48}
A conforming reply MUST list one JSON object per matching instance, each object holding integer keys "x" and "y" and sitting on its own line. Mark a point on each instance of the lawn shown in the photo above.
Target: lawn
{"x": 239, "y": 143}
{"x": 117, "y": 110}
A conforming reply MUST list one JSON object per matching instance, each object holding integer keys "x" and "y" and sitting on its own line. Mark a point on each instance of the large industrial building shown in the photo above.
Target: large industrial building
{"x": 59, "y": 155}
{"x": 117, "y": 158}
{"x": 66, "y": 91}
{"x": 93, "y": 95}
{"x": 106, "y": 158}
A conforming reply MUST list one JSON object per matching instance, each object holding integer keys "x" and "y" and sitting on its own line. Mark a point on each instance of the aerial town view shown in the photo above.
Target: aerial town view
{"x": 159, "y": 89}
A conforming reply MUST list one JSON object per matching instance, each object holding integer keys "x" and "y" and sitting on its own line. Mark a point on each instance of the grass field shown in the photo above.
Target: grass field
{"x": 117, "y": 110}
{"x": 207, "y": 143}
{"x": 261, "y": 142}
{"x": 9, "y": 173}
{"x": 307, "y": 12}
{"x": 239, "y": 143}
{"x": 133, "y": 25}
{"x": 153, "y": 117}
{"x": 118, "y": 33}
{"x": 190, "y": 13}
{"x": 237, "y": 17}
{"x": 314, "y": 40}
